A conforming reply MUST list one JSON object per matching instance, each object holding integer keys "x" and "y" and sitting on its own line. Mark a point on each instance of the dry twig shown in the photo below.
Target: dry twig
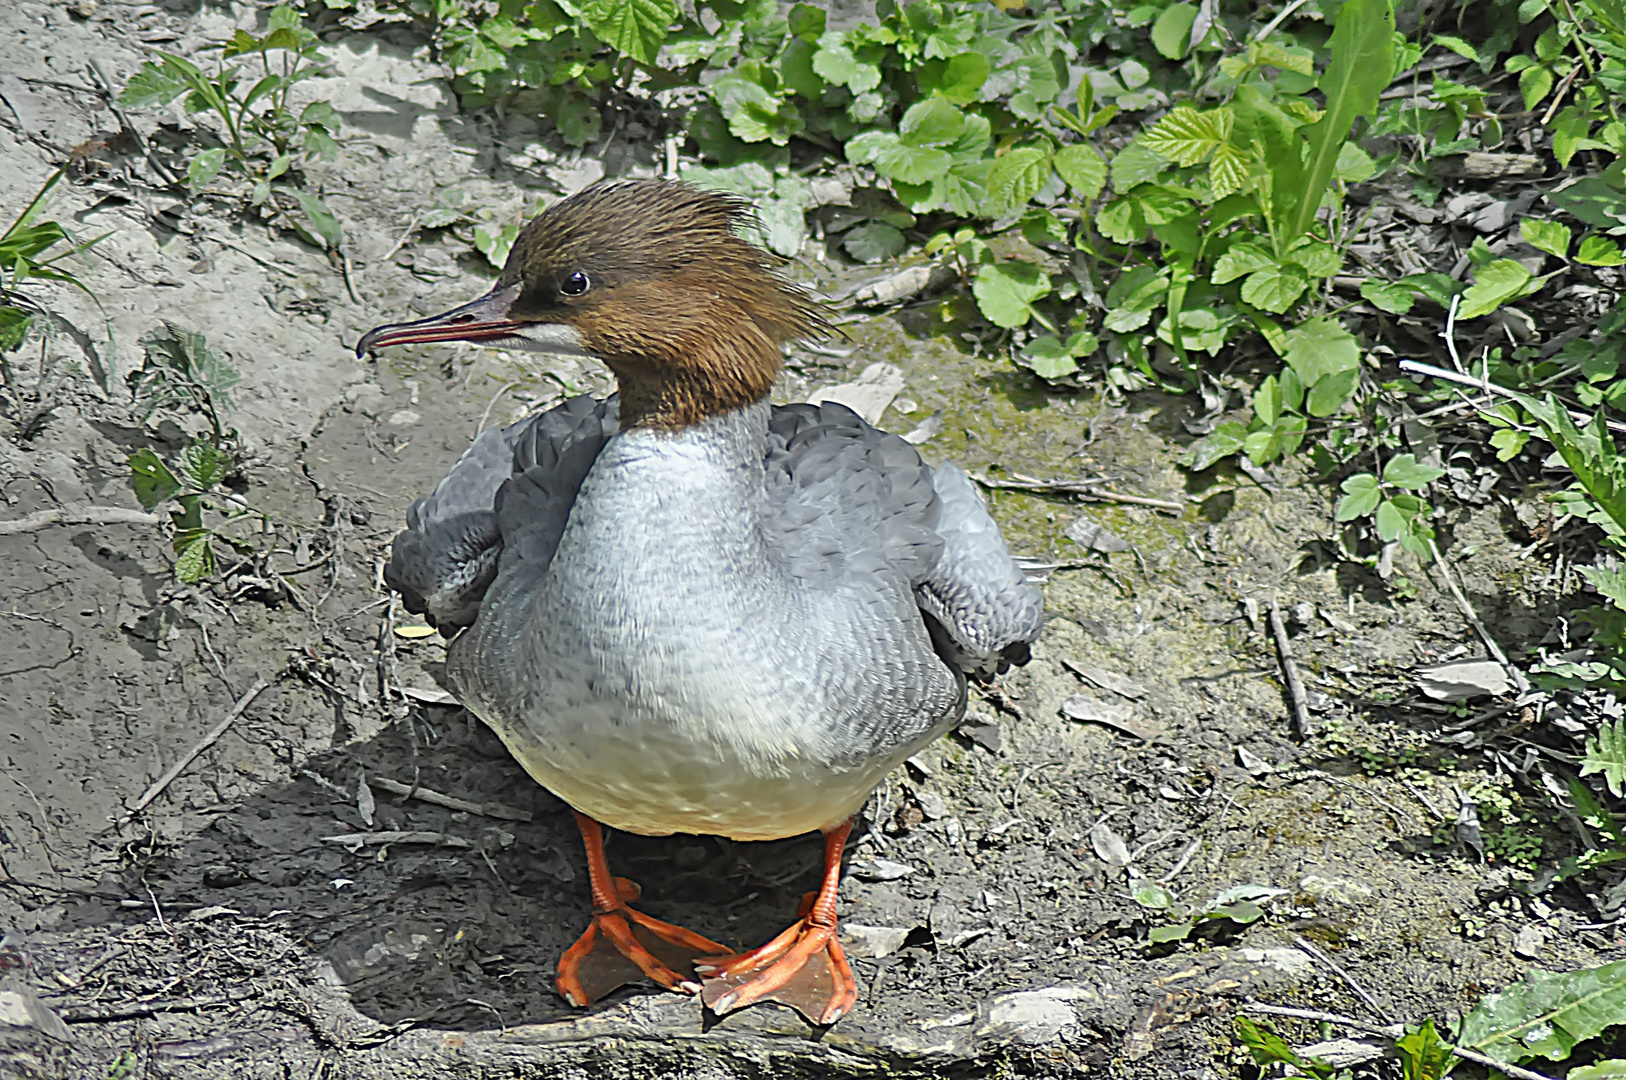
{"x": 199, "y": 747}
{"x": 1349, "y": 980}
{"x": 450, "y": 802}
{"x": 1088, "y": 490}
{"x": 77, "y": 515}
{"x": 1290, "y": 672}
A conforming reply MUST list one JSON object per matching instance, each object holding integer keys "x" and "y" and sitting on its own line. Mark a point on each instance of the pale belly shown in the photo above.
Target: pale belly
{"x": 641, "y": 779}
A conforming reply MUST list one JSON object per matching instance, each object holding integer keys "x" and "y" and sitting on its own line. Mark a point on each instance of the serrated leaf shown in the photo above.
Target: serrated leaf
{"x": 1319, "y": 259}
{"x": 153, "y": 86}
{"x": 202, "y": 465}
{"x": 1329, "y": 394}
{"x": 1423, "y": 1054}
{"x": 835, "y": 63}
{"x": 1186, "y": 136}
{"x": 1494, "y": 284}
{"x": 1393, "y": 297}
{"x": 194, "y": 556}
{"x": 1017, "y": 177}
{"x": 1319, "y": 347}
{"x": 1083, "y": 170}
{"x": 1240, "y": 260}
{"x": 1405, "y": 471}
{"x": 1610, "y": 583}
{"x": 1362, "y": 493}
{"x": 1222, "y": 442}
{"x": 1548, "y": 236}
{"x": 151, "y": 479}
{"x": 1606, "y": 753}
{"x": 1275, "y": 288}
{"x": 1549, "y": 1013}
{"x": 1599, "y": 251}
{"x": 634, "y": 28}
{"x": 1230, "y": 170}
{"x": 933, "y": 122}
{"x": 1005, "y": 292}
{"x": 1134, "y": 165}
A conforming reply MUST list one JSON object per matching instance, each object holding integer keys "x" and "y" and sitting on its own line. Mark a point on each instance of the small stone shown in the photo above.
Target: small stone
{"x": 1529, "y": 942}
{"x": 1030, "y": 1017}
{"x": 881, "y": 870}
{"x": 872, "y": 941}
{"x": 404, "y": 418}
{"x": 1334, "y": 890}
{"x": 932, "y": 805}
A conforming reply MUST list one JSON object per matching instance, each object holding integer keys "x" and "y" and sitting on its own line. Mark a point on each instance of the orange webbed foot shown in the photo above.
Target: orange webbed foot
{"x": 622, "y": 945}
{"x": 804, "y": 967}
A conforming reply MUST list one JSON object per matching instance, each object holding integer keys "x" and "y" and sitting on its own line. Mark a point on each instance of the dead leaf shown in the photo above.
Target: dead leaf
{"x": 868, "y": 395}
{"x": 1121, "y": 685}
{"x": 1115, "y": 714}
{"x": 1089, "y": 535}
{"x": 1463, "y": 680}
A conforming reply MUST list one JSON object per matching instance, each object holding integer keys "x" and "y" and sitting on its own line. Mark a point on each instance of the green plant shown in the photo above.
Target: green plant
{"x": 181, "y": 373}
{"x": 264, "y": 140}
{"x": 1222, "y": 917}
{"x": 1398, "y": 513}
{"x": 1269, "y": 1049}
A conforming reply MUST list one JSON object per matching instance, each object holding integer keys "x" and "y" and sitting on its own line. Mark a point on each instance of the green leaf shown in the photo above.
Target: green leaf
{"x": 1134, "y": 165}
{"x": 873, "y": 242}
{"x": 202, "y": 465}
{"x": 1393, "y": 297}
{"x": 1362, "y": 494}
{"x": 1462, "y": 49}
{"x": 205, "y": 167}
{"x": 1405, "y": 471}
{"x": 1164, "y": 935}
{"x": 578, "y": 119}
{"x": 1389, "y": 521}
{"x": 1186, "y": 136}
{"x": 1049, "y": 357}
{"x": 1230, "y": 170}
{"x": 1439, "y": 288}
{"x": 1267, "y": 401}
{"x": 1494, "y": 285}
{"x": 911, "y": 164}
{"x": 1361, "y": 68}
{"x": 1550, "y": 1012}
{"x": 633, "y": 28}
{"x": 1152, "y": 896}
{"x": 1083, "y": 170}
{"x": 151, "y": 478}
{"x": 1328, "y": 396}
{"x": 495, "y": 243}
{"x": 323, "y": 223}
{"x": 1599, "y": 251}
{"x": 1548, "y": 236}
{"x": 1172, "y": 30}
{"x": 1318, "y": 259}
{"x": 1612, "y": 1069}
{"x": 1240, "y": 259}
{"x": 1610, "y": 583}
{"x": 1319, "y": 347}
{"x": 1275, "y": 288}
{"x": 1005, "y": 292}
{"x": 1354, "y": 165}
{"x": 1222, "y": 442}
{"x": 1423, "y": 1054}
{"x": 194, "y": 556}
{"x": 835, "y": 63}
{"x": 14, "y": 326}
{"x": 933, "y": 122}
{"x": 153, "y": 86}
{"x": 1606, "y": 753}
{"x": 958, "y": 79}
{"x": 1268, "y": 1048}
{"x": 1508, "y": 442}
{"x": 1017, "y": 177}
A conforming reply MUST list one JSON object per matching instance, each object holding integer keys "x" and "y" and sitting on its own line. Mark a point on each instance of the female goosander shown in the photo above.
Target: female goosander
{"x": 686, "y": 610}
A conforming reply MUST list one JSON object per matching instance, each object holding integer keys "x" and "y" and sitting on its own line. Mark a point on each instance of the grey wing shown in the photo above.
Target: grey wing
{"x": 448, "y": 555}
{"x": 850, "y": 497}
{"x": 983, "y": 610}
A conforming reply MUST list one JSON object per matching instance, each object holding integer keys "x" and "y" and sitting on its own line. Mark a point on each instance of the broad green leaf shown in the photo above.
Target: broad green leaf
{"x": 206, "y": 166}
{"x": 1328, "y": 395}
{"x": 1509, "y": 443}
{"x": 1017, "y": 177}
{"x": 1049, "y": 357}
{"x": 1393, "y": 297}
{"x": 1404, "y": 470}
{"x": 960, "y": 78}
{"x": 835, "y": 63}
{"x": 202, "y": 465}
{"x": 1361, "y": 68}
{"x": 1083, "y": 170}
{"x": 1458, "y": 46}
{"x": 1318, "y": 259}
{"x": 1606, "y": 753}
{"x": 1040, "y": 227}
{"x": 1267, "y": 401}
{"x": 1268, "y": 1048}
{"x": 1172, "y": 30}
{"x": 495, "y": 242}
{"x": 873, "y": 242}
{"x": 1439, "y": 288}
{"x": 1593, "y": 200}
{"x": 1388, "y": 521}
{"x": 194, "y": 556}
{"x": 1612, "y": 1069}
{"x": 1548, "y": 1014}
{"x": 1275, "y": 288}
{"x": 1494, "y": 285}
{"x": 933, "y": 122}
{"x": 1222, "y": 442}
{"x": 323, "y": 223}
{"x": 1548, "y": 236}
{"x": 1006, "y": 292}
{"x": 1240, "y": 260}
{"x": 1599, "y": 251}
{"x": 1230, "y": 170}
{"x": 1121, "y": 222}
{"x": 784, "y": 228}
{"x": 1134, "y": 165}
{"x": 1319, "y": 347}
{"x": 151, "y": 478}
{"x": 579, "y": 119}
{"x": 1535, "y": 83}
{"x": 634, "y": 28}
{"x": 1354, "y": 166}
{"x": 911, "y": 164}
{"x": 1152, "y": 896}
{"x": 1186, "y": 136}
{"x": 1362, "y": 494}
{"x": 1163, "y": 935}
{"x": 1609, "y": 583}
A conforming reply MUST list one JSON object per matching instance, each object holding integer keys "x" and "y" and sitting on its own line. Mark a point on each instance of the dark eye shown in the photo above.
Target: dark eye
{"x": 575, "y": 284}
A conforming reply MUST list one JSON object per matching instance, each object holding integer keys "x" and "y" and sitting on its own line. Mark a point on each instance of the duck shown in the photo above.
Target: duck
{"x": 685, "y": 609}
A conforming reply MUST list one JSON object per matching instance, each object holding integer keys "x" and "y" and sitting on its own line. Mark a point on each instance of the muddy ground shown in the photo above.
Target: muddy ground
{"x": 223, "y": 931}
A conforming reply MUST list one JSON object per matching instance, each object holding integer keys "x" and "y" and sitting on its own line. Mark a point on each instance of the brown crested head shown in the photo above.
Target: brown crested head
{"x": 653, "y": 278}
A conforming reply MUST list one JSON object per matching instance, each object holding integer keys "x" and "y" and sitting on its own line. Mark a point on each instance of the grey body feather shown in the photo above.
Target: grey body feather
{"x": 737, "y": 628}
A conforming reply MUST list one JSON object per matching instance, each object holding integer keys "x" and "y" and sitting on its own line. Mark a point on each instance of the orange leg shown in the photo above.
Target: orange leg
{"x": 804, "y": 967}
{"x": 622, "y": 943}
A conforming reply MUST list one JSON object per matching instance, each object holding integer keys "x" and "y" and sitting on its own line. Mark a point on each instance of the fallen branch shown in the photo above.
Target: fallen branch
{"x": 77, "y": 515}
{"x": 199, "y": 747}
{"x": 1083, "y": 489}
{"x": 1290, "y": 672}
{"x": 1413, "y": 367}
{"x": 450, "y": 802}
